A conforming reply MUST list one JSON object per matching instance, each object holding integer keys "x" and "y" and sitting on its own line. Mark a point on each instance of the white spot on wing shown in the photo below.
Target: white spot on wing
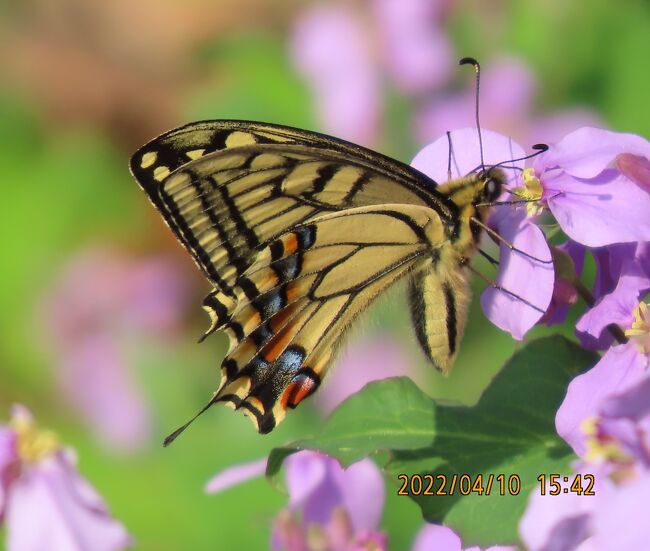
{"x": 148, "y": 159}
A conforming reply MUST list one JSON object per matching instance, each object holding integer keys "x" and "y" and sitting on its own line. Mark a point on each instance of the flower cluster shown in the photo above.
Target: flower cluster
{"x": 332, "y": 508}
{"x": 44, "y": 501}
{"x": 614, "y": 446}
{"x": 329, "y": 507}
{"x": 595, "y": 184}
{"x": 346, "y": 56}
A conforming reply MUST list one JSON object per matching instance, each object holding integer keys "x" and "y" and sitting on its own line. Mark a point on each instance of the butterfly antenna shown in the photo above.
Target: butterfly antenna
{"x": 538, "y": 148}
{"x": 450, "y": 153}
{"x": 477, "y": 68}
{"x": 179, "y": 430}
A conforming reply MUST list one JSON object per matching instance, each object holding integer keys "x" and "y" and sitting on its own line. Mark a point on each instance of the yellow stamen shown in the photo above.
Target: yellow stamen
{"x": 640, "y": 330}
{"x": 531, "y": 191}
{"x": 33, "y": 444}
{"x": 601, "y": 449}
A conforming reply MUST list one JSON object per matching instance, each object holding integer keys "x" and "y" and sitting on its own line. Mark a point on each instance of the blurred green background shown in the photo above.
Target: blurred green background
{"x": 84, "y": 83}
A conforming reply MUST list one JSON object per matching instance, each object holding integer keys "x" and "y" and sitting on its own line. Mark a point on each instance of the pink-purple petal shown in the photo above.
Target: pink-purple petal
{"x": 609, "y": 262}
{"x": 621, "y": 520}
{"x": 364, "y": 361}
{"x": 305, "y": 472}
{"x": 314, "y": 484}
{"x": 235, "y": 475}
{"x": 558, "y": 522}
{"x": 363, "y": 494}
{"x": 95, "y": 378}
{"x": 633, "y": 404}
{"x": 466, "y": 154}
{"x": 418, "y": 54}
{"x": 625, "y": 418}
{"x": 620, "y": 368}
{"x": 52, "y": 507}
{"x": 586, "y": 152}
{"x": 332, "y": 49}
{"x": 8, "y": 463}
{"x": 529, "y": 279}
{"x": 616, "y": 307}
{"x": 434, "y": 536}
{"x": 607, "y": 209}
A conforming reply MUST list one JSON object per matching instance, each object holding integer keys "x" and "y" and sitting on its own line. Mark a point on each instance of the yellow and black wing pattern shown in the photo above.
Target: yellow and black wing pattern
{"x": 298, "y": 232}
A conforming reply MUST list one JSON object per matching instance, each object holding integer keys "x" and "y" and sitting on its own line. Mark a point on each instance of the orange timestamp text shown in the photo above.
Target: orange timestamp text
{"x": 458, "y": 484}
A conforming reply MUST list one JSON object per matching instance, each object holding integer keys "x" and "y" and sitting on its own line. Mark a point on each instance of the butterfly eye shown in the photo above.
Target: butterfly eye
{"x": 492, "y": 189}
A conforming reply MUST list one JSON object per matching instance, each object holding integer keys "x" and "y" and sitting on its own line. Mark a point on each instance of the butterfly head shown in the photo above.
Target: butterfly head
{"x": 491, "y": 182}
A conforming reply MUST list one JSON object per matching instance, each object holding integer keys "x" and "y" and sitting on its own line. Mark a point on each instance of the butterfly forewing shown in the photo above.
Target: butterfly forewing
{"x": 227, "y": 187}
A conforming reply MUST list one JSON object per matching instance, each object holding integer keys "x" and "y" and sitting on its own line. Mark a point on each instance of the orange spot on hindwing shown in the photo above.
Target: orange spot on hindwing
{"x": 304, "y": 384}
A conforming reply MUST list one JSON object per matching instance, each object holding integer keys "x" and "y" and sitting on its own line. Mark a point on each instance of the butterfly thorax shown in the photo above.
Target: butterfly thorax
{"x": 472, "y": 195}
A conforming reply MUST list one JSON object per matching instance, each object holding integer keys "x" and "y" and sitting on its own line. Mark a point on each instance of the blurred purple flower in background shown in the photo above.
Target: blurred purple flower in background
{"x": 329, "y": 507}
{"x": 332, "y": 50}
{"x": 418, "y": 54}
{"x": 334, "y": 509}
{"x": 44, "y": 501}
{"x": 365, "y": 360}
{"x": 99, "y": 307}
{"x": 440, "y": 538}
{"x": 334, "y": 47}
{"x": 507, "y": 96}
{"x": 519, "y": 274}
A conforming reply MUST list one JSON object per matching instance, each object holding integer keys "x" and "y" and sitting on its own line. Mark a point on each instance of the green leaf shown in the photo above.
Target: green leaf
{"x": 510, "y": 432}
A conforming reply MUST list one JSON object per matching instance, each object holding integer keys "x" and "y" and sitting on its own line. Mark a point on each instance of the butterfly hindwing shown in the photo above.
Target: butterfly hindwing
{"x": 288, "y": 322}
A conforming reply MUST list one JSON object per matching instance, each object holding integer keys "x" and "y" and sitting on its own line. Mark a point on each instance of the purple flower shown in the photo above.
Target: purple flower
{"x": 101, "y": 304}
{"x": 595, "y": 203}
{"x": 364, "y": 361}
{"x": 620, "y": 368}
{"x": 616, "y": 307}
{"x": 342, "y": 55}
{"x": 418, "y": 54}
{"x": 613, "y": 518}
{"x": 529, "y": 279}
{"x": 563, "y": 521}
{"x": 232, "y": 476}
{"x": 616, "y": 450}
{"x": 44, "y": 501}
{"x": 624, "y": 422}
{"x": 441, "y": 538}
{"x": 332, "y": 50}
{"x": 329, "y": 507}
